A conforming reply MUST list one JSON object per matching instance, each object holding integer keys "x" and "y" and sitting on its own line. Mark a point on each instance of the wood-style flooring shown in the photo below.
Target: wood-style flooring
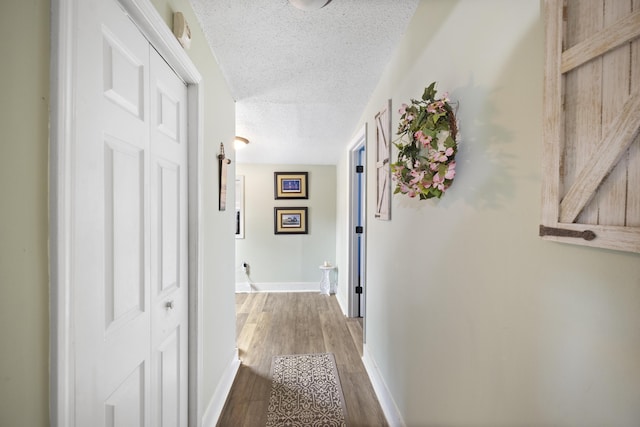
{"x": 270, "y": 324}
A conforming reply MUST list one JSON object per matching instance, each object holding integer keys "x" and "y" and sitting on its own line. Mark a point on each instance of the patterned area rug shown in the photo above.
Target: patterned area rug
{"x": 305, "y": 391}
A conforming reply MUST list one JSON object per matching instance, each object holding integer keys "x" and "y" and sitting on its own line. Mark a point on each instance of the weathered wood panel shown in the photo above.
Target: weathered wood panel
{"x": 591, "y": 159}
{"x": 633, "y": 160}
{"x": 582, "y": 97}
{"x": 615, "y": 87}
{"x": 383, "y": 163}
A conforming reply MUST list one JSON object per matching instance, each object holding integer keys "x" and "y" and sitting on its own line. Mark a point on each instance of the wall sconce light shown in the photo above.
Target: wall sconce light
{"x": 240, "y": 142}
{"x": 181, "y": 30}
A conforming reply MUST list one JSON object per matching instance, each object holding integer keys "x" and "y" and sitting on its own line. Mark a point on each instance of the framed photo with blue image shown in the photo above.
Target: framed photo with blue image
{"x": 291, "y": 185}
{"x": 290, "y": 220}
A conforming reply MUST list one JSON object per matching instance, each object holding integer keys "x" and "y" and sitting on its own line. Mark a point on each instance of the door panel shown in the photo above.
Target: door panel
{"x": 124, "y": 232}
{"x": 123, "y": 75}
{"x": 169, "y": 367}
{"x": 357, "y": 220}
{"x": 129, "y": 250}
{"x": 168, "y": 115}
{"x": 125, "y": 406}
{"x": 169, "y": 191}
{"x": 110, "y": 237}
{"x": 169, "y": 244}
{"x": 360, "y": 223}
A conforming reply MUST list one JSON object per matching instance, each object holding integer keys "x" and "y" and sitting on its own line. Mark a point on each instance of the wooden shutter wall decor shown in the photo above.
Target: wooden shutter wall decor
{"x": 383, "y": 164}
{"x": 591, "y": 123}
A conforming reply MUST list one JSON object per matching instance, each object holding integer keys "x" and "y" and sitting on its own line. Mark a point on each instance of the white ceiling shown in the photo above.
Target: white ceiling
{"x": 301, "y": 79}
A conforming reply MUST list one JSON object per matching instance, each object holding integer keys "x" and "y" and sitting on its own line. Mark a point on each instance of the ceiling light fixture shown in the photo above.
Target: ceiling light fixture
{"x": 309, "y": 4}
{"x": 240, "y": 142}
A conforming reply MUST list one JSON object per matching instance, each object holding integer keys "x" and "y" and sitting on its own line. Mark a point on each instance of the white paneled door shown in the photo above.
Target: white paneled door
{"x": 129, "y": 213}
{"x": 169, "y": 275}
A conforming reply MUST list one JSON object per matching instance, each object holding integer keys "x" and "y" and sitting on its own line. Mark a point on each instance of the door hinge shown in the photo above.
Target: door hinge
{"x": 562, "y": 232}
{"x": 359, "y": 229}
{"x": 359, "y": 169}
{"x": 358, "y": 289}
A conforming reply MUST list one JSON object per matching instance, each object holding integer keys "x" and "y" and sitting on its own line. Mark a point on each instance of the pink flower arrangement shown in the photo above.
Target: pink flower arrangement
{"x": 426, "y": 164}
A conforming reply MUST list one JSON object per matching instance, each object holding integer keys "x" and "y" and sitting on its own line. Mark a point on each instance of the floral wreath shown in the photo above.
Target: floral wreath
{"x": 426, "y": 163}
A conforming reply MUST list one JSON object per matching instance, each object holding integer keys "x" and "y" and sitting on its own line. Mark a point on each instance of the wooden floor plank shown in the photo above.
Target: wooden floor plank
{"x": 247, "y": 334}
{"x": 355, "y": 329}
{"x": 242, "y": 306}
{"x": 357, "y": 399}
{"x": 260, "y": 339}
{"x": 274, "y": 324}
{"x": 241, "y": 319}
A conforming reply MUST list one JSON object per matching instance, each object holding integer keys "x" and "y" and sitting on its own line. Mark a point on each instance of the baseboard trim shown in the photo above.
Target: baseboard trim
{"x": 342, "y": 304}
{"x": 216, "y": 404}
{"x": 387, "y": 403}
{"x": 245, "y": 287}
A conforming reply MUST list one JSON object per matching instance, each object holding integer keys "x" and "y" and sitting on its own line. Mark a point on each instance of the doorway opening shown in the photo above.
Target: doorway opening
{"x": 357, "y": 226}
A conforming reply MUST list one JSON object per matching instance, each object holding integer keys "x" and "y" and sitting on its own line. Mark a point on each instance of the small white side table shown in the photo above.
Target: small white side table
{"x": 325, "y": 282}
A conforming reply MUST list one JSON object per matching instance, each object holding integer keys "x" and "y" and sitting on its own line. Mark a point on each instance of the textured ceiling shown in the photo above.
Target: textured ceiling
{"x": 301, "y": 78}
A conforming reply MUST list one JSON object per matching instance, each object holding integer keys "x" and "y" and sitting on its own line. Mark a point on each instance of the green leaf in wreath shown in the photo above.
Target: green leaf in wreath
{"x": 429, "y": 132}
{"x": 429, "y": 123}
{"x": 398, "y": 145}
{"x": 429, "y": 92}
{"x": 449, "y": 142}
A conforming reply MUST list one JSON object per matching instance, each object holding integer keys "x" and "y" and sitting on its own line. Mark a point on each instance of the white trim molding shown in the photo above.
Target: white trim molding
{"x": 387, "y": 403}
{"x": 64, "y": 21}
{"x": 61, "y": 388}
{"x": 216, "y": 404}
{"x": 248, "y": 287}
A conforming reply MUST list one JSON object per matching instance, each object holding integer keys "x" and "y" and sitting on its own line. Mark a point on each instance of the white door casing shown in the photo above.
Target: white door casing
{"x": 111, "y": 195}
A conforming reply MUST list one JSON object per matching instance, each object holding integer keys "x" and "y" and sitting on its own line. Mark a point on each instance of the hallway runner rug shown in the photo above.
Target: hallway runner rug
{"x": 305, "y": 391}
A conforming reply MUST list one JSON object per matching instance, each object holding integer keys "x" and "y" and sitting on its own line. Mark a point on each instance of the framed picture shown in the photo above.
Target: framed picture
{"x": 290, "y": 220}
{"x": 291, "y": 185}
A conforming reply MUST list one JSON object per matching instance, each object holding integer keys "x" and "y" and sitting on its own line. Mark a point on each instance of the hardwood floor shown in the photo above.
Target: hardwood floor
{"x": 270, "y": 324}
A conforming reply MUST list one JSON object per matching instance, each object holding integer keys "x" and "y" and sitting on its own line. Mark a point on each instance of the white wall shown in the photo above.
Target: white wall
{"x": 472, "y": 319}
{"x": 24, "y": 279}
{"x": 286, "y": 262}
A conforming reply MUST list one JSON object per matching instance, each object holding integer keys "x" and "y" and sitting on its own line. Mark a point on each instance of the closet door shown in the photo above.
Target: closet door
{"x": 129, "y": 251}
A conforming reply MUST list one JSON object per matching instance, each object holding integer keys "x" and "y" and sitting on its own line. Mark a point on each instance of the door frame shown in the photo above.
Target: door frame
{"x": 358, "y": 141}
{"x": 64, "y": 20}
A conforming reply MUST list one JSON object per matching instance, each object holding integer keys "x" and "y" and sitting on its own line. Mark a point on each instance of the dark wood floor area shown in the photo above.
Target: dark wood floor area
{"x": 270, "y": 324}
